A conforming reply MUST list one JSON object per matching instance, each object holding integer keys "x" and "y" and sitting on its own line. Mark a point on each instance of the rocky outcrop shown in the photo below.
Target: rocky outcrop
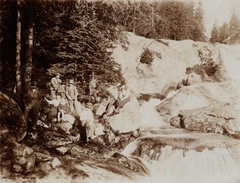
{"x": 129, "y": 117}
{"x": 198, "y": 96}
{"x": 170, "y": 61}
{"x": 52, "y": 139}
{"x": 13, "y": 125}
{"x": 216, "y": 118}
{"x": 156, "y": 76}
{"x": 15, "y": 157}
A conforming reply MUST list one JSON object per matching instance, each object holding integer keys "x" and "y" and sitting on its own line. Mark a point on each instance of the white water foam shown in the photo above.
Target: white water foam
{"x": 208, "y": 166}
{"x": 183, "y": 166}
{"x": 150, "y": 117}
{"x": 188, "y": 166}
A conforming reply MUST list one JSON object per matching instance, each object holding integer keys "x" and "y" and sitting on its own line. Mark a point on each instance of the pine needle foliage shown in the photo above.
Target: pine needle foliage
{"x": 76, "y": 39}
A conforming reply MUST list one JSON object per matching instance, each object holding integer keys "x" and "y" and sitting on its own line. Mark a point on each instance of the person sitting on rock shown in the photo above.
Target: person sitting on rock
{"x": 65, "y": 118}
{"x": 87, "y": 121}
{"x": 63, "y": 108}
{"x": 103, "y": 105}
{"x": 111, "y": 107}
{"x": 112, "y": 104}
{"x": 33, "y": 101}
{"x": 56, "y": 82}
{"x": 123, "y": 97}
{"x": 71, "y": 94}
{"x": 50, "y": 109}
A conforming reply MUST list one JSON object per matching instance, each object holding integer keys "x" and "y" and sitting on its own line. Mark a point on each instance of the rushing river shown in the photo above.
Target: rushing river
{"x": 177, "y": 156}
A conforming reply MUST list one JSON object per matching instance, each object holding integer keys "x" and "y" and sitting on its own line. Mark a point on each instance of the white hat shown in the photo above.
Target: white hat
{"x": 71, "y": 81}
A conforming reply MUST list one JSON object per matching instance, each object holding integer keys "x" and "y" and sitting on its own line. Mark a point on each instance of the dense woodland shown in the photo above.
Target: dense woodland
{"x": 75, "y": 38}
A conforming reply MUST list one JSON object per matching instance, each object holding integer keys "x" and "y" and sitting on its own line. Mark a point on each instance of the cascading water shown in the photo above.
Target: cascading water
{"x": 177, "y": 156}
{"x": 150, "y": 117}
{"x": 175, "y": 163}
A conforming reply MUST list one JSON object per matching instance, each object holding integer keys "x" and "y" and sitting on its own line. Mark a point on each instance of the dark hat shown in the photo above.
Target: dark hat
{"x": 89, "y": 105}
{"x": 34, "y": 83}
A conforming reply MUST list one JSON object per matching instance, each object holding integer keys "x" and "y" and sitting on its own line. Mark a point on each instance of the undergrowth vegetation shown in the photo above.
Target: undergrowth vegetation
{"x": 146, "y": 57}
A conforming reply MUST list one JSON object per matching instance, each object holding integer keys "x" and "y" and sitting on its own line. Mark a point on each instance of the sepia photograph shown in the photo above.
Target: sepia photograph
{"x": 120, "y": 91}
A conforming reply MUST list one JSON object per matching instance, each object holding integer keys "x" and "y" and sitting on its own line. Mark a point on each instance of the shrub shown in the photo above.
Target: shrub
{"x": 146, "y": 57}
{"x": 163, "y": 42}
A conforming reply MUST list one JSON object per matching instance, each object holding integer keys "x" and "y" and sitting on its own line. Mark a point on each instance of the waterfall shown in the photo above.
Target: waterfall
{"x": 183, "y": 163}
{"x": 194, "y": 167}
{"x": 150, "y": 117}
{"x": 178, "y": 156}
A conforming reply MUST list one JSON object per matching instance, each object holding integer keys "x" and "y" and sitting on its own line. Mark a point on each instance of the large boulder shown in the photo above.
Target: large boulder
{"x": 129, "y": 117}
{"x": 52, "y": 139}
{"x": 15, "y": 157}
{"x": 217, "y": 118}
{"x": 198, "y": 96}
{"x": 13, "y": 125}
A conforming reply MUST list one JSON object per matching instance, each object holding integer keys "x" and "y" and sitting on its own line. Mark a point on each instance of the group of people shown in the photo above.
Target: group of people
{"x": 64, "y": 109}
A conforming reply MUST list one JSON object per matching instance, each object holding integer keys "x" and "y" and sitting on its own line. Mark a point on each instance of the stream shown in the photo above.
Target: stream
{"x": 177, "y": 156}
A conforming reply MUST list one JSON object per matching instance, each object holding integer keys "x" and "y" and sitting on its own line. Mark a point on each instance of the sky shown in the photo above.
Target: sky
{"x": 220, "y": 10}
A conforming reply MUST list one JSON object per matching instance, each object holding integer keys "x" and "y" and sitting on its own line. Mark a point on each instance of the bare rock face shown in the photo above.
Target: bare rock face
{"x": 199, "y": 96}
{"x": 13, "y": 125}
{"x": 15, "y": 157}
{"x": 154, "y": 77}
{"x": 217, "y": 118}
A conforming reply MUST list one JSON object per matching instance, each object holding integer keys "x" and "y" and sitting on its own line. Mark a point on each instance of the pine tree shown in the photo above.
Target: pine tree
{"x": 234, "y": 29}
{"x": 198, "y": 24}
{"x": 223, "y": 32}
{"x": 214, "y": 33}
{"x": 80, "y": 46}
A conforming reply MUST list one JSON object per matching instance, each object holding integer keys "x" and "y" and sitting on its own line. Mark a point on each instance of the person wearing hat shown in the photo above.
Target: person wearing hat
{"x": 92, "y": 88}
{"x": 32, "y": 101}
{"x": 56, "y": 82}
{"x": 71, "y": 94}
{"x": 87, "y": 121}
{"x": 123, "y": 96}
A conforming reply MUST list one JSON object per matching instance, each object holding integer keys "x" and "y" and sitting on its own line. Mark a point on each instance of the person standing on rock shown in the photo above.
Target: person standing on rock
{"x": 56, "y": 82}
{"x": 92, "y": 88}
{"x": 71, "y": 94}
{"x": 33, "y": 101}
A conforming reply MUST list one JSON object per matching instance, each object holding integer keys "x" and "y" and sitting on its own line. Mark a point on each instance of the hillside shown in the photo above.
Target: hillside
{"x": 171, "y": 59}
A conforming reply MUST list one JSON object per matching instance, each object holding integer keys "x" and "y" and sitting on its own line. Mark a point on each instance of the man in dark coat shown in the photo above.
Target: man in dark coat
{"x": 32, "y": 101}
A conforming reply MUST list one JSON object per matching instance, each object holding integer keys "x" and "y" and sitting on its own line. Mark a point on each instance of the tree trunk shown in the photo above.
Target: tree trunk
{"x": 29, "y": 47}
{"x": 18, "y": 50}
